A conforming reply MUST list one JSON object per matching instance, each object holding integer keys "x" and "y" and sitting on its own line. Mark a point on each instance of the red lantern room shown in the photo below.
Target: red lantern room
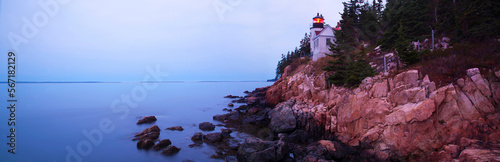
{"x": 318, "y": 21}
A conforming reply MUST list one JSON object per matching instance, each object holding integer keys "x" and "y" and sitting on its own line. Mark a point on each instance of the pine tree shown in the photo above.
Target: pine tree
{"x": 347, "y": 71}
{"x": 478, "y": 19}
{"x": 338, "y": 65}
{"x": 303, "y": 50}
{"x": 347, "y": 37}
{"x": 369, "y": 21}
{"x": 305, "y": 45}
{"x": 410, "y": 16}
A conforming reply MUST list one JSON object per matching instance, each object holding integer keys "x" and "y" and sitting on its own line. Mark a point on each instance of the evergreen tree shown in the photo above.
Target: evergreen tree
{"x": 304, "y": 50}
{"x": 348, "y": 69}
{"x": 410, "y": 17}
{"x": 478, "y": 19}
{"x": 305, "y": 45}
{"x": 445, "y": 18}
{"x": 390, "y": 24}
{"x": 347, "y": 37}
{"x": 369, "y": 21}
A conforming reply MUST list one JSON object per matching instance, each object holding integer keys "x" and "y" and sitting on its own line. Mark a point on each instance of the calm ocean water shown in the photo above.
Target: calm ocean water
{"x": 51, "y": 119}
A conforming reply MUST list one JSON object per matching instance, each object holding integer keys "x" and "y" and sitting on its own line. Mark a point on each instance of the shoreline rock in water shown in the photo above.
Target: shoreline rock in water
{"x": 147, "y": 140}
{"x": 226, "y": 146}
{"x": 152, "y": 132}
{"x": 206, "y": 126}
{"x": 147, "y": 137}
{"x": 162, "y": 144}
{"x": 147, "y": 119}
{"x": 170, "y": 150}
{"x": 401, "y": 118}
{"x": 177, "y": 128}
{"x": 231, "y": 96}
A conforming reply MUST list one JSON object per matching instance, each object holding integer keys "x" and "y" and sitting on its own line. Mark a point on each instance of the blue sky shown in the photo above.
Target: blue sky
{"x": 191, "y": 40}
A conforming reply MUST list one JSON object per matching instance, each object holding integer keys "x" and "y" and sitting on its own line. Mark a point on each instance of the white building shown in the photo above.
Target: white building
{"x": 321, "y": 36}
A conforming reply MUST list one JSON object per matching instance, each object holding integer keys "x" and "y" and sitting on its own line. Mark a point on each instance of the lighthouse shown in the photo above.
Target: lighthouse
{"x": 321, "y": 36}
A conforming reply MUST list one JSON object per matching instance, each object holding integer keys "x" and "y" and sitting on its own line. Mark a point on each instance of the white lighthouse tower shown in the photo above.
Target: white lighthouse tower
{"x": 321, "y": 36}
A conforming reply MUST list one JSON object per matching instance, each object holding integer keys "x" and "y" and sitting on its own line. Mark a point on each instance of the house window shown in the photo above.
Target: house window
{"x": 328, "y": 41}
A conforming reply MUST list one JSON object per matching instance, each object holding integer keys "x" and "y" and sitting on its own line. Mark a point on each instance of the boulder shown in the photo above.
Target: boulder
{"x": 478, "y": 92}
{"x": 467, "y": 109}
{"x": 242, "y": 107}
{"x": 254, "y": 110}
{"x": 162, "y": 144}
{"x": 254, "y": 149}
{"x": 232, "y": 116}
{"x": 177, "y": 128}
{"x": 327, "y": 150}
{"x": 230, "y": 104}
{"x": 145, "y": 144}
{"x": 197, "y": 137}
{"x": 252, "y": 100}
{"x": 411, "y": 112}
{"x": 258, "y": 119}
{"x": 226, "y": 132}
{"x": 152, "y": 135}
{"x": 478, "y": 155}
{"x": 213, "y": 137}
{"x": 452, "y": 150}
{"x": 409, "y": 78}
{"x": 401, "y": 96}
{"x": 282, "y": 118}
{"x": 170, "y": 150}
{"x": 231, "y": 96}
{"x": 473, "y": 71}
{"x": 241, "y": 100}
{"x": 195, "y": 145}
{"x": 482, "y": 85}
{"x": 298, "y": 136}
{"x": 206, "y": 126}
{"x": 274, "y": 93}
{"x": 152, "y": 132}
{"x": 380, "y": 89}
{"x": 147, "y": 119}
{"x": 230, "y": 159}
{"x": 430, "y": 86}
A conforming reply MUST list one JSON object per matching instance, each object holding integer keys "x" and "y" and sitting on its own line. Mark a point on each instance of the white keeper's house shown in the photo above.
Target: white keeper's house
{"x": 321, "y": 35}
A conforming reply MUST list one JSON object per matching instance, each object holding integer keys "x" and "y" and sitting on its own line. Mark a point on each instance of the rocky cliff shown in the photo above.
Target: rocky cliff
{"x": 405, "y": 117}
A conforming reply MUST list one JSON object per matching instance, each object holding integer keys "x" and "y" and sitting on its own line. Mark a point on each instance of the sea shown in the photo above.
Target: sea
{"x": 63, "y": 122}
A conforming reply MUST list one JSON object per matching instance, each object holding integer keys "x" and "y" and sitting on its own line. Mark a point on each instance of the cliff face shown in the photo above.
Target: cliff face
{"x": 400, "y": 117}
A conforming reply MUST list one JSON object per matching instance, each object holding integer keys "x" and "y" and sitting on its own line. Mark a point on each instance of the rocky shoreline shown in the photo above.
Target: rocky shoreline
{"x": 278, "y": 136}
{"x": 400, "y": 118}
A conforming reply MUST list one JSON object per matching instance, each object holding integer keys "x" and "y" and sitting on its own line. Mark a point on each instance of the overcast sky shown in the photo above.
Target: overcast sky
{"x": 192, "y": 40}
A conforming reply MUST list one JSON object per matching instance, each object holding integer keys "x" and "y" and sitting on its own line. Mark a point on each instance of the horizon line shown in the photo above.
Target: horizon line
{"x": 201, "y": 81}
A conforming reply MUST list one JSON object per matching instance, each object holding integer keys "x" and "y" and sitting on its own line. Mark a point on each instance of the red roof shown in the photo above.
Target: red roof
{"x": 336, "y": 28}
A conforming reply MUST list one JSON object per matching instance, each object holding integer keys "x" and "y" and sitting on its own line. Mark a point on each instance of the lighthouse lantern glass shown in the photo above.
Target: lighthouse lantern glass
{"x": 318, "y": 20}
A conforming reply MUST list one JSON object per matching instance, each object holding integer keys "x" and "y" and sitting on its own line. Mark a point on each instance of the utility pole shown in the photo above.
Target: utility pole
{"x": 418, "y": 46}
{"x": 432, "y": 45}
{"x": 385, "y": 66}
{"x": 432, "y": 39}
